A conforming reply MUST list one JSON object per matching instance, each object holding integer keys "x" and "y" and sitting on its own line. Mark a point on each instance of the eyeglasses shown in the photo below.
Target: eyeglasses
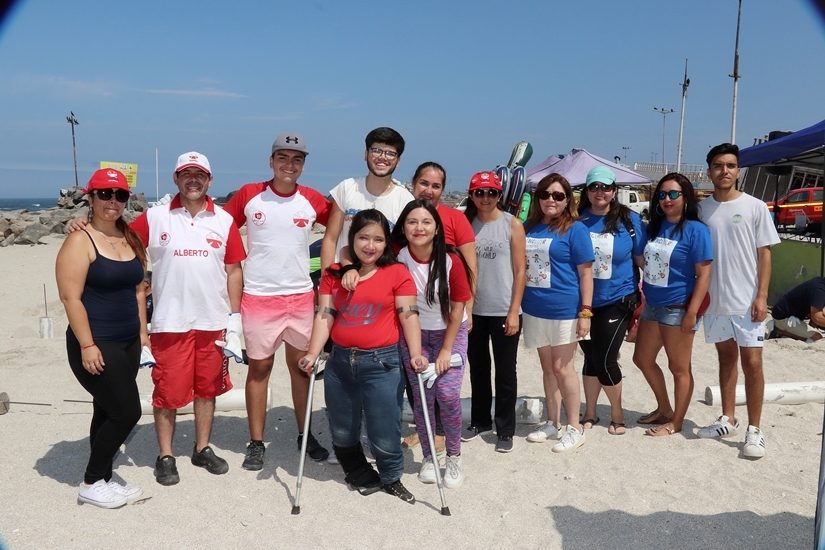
{"x": 558, "y": 196}
{"x": 600, "y": 187}
{"x": 481, "y": 193}
{"x": 378, "y": 153}
{"x": 672, "y": 195}
{"x": 121, "y": 195}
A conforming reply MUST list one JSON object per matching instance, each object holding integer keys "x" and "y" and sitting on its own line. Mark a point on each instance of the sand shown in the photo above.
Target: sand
{"x": 628, "y": 491}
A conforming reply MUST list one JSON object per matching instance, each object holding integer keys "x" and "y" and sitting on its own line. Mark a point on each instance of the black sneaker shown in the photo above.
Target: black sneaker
{"x": 207, "y": 459}
{"x": 254, "y": 459}
{"x": 504, "y": 444}
{"x": 314, "y": 449}
{"x": 166, "y": 472}
{"x": 471, "y": 432}
{"x": 397, "y": 489}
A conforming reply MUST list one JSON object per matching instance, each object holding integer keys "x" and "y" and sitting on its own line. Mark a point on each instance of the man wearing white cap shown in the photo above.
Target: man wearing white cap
{"x": 278, "y": 303}
{"x": 195, "y": 249}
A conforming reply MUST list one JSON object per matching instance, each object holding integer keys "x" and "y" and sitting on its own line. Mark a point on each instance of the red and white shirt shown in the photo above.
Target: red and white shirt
{"x": 278, "y": 233}
{"x": 457, "y": 282}
{"x": 189, "y": 255}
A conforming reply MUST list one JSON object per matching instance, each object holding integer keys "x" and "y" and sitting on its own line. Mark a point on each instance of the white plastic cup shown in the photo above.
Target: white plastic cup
{"x": 46, "y": 328}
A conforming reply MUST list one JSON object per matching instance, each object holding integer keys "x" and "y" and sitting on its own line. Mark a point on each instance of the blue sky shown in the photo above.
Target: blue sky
{"x": 462, "y": 81}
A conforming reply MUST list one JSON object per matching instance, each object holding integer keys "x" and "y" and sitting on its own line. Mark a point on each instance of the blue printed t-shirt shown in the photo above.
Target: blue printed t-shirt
{"x": 552, "y": 290}
{"x": 613, "y": 277}
{"x": 670, "y": 262}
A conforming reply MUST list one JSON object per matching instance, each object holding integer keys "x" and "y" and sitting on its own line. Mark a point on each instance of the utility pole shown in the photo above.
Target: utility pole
{"x": 664, "y": 112}
{"x": 685, "y": 84}
{"x": 735, "y": 76}
{"x": 71, "y": 119}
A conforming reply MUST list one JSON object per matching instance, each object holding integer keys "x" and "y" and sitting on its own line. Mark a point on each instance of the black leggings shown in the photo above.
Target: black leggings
{"x": 115, "y": 400}
{"x": 607, "y": 329}
{"x": 505, "y": 351}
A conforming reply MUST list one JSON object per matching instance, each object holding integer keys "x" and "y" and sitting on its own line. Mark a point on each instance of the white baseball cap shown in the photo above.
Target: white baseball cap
{"x": 193, "y": 158}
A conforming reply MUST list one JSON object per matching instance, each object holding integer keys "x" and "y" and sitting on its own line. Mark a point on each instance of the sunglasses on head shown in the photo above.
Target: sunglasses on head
{"x": 479, "y": 193}
{"x": 120, "y": 195}
{"x": 558, "y": 196}
{"x": 599, "y": 187}
{"x": 672, "y": 195}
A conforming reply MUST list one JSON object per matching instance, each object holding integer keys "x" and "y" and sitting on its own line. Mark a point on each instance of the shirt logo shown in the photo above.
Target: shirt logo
{"x": 165, "y": 239}
{"x": 258, "y": 218}
{"x": 736, "y": 219}
{"x": 214, "y": 240}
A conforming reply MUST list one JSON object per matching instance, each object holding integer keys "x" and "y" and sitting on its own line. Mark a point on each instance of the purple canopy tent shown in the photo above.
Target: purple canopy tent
{"x": 575, "y": 167}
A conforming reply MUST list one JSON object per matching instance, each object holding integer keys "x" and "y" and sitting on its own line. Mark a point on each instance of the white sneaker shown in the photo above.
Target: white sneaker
{"x": 721, "y": 427}
{"x": 571, "y": 439}
{"x": 545, "y": 432}
{"x": 129, "y": 492}
{"x": 427, "y": 473}
{"x": 754, "y": 443}
{"x": 453, "y": 476}
{"x": 100, "y": 494}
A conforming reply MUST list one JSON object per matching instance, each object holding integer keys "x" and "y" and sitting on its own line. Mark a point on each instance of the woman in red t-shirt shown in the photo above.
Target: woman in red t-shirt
{"x": 363, "y": 372}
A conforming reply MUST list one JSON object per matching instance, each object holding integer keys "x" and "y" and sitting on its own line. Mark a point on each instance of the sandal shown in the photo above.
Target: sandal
{"x": 588, "y": 423}
{"x": 661, "y": 431}
{"x": 616, "y": 428}
{"x": 654, "y": 417}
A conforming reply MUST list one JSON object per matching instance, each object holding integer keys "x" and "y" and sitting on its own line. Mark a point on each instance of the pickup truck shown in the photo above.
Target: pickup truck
{"x": 800, "y": 206}
{"x": 633, "y": 199}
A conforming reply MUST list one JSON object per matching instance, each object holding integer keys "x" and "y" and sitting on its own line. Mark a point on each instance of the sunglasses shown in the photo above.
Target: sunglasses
{"x": 599, "y": 187}
{"x": 120, "y": 195}
{"x": 672, "y": 195}
{"x": 558, "y": 196}
{"x": 481, "y": 193}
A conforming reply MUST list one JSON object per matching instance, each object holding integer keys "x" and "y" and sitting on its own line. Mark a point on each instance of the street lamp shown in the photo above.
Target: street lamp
{"x": 664, "y": 112}
{"x": 625, "y": 148}
{"x": 71, "y": 119}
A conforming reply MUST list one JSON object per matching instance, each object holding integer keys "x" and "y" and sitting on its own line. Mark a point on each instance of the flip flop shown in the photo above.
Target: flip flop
{"x": 653, "y": 418}
{"x": 588, "y": 423}
{"x": 616, "y": 428}
{"x": 660, "y": 431}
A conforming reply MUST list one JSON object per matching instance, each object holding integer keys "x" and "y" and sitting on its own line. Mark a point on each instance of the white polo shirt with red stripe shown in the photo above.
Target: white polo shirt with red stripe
{"x": 189, "y": 255}
{"x": 278, "y": 233}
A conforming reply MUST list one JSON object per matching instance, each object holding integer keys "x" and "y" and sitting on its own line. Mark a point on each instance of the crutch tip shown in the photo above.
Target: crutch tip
{"x": 297, "y": 510}
{"x": 445, "y": 511}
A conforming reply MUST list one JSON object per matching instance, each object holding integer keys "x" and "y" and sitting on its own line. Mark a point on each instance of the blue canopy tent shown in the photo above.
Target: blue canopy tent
{"x": 575, "y": 166}
{"x": 804, "y": 147}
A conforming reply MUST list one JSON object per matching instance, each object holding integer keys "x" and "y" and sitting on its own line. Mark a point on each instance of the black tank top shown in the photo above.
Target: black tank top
{"x": 109, "y": 297}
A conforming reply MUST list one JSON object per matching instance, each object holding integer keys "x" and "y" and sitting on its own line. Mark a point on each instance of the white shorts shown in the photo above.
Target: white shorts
{"x": 539, "y": 332}
{"x": 747, "y": 333}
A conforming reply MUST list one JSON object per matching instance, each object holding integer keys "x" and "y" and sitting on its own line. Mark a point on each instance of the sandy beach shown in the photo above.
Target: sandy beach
{"x": 628, "y": 491}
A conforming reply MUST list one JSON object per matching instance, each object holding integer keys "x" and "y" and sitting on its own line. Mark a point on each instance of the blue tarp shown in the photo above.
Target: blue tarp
{"x": 801, "y": 148}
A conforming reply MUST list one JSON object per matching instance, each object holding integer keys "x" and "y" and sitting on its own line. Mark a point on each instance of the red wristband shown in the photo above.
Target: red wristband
{"x": 89, "y": 346}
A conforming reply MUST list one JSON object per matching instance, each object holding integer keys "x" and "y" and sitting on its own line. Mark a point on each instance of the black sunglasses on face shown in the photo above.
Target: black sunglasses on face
{"x": 599, "y": 187}
{"x": 672, "y": 195}
{"x": 120, "y": 195}
{"x": 480, "y": 193}
{"x": 558, "y": 196}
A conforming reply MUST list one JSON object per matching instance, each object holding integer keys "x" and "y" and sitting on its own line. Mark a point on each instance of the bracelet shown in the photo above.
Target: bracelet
{"x": 585, "y": 314}
{"x": 346, "y": 268}
{"x": 89, "y": 346}
{"x": 586, "y": 308}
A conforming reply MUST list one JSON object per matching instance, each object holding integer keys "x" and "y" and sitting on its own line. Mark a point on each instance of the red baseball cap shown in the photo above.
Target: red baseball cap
{"x": 107, "y": 178}
{"x": 485, "y": 180}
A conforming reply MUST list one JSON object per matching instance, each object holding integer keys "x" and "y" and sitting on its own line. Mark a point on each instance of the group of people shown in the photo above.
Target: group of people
{"x": 412, "y": 291}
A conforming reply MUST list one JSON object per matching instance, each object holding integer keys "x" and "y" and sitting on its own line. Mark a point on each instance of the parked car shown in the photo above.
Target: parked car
{"x": 633, "y": 199}
{"x": 801, "y": 208}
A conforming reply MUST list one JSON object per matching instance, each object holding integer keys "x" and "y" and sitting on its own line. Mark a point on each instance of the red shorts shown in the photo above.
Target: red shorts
{"x": 189, "y": 365}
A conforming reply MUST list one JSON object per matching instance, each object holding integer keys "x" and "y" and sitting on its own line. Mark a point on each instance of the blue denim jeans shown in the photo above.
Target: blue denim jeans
{"x": 359, "y": 381}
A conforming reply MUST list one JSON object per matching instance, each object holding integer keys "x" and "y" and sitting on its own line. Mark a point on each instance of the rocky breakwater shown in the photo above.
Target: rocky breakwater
{"x": 28, "y": 227}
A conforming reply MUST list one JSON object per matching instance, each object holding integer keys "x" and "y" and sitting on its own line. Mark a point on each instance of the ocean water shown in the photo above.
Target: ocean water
{"x": 28, "y": 204}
